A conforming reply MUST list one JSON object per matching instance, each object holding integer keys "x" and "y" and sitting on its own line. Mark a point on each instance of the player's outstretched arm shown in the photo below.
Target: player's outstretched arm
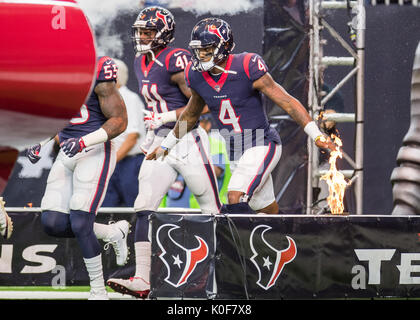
{"x": 294, "y": 108}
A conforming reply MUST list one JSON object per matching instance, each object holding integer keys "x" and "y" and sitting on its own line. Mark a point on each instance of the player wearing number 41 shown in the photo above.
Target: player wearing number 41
{"x": 231, "y": 85}
{"x": 79, "y": 177}
{"x": 160, "y": 72}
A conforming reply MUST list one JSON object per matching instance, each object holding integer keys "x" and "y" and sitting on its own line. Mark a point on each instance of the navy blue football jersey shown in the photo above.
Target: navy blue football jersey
{"x": 158, "y": 91}
{"x": 90, "y": 117}
{"x": 236, "y": 107}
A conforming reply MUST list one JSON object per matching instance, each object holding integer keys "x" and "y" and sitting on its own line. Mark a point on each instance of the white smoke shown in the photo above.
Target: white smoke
{"x": 102, "y": 15}
{"x": 215, "y": 7}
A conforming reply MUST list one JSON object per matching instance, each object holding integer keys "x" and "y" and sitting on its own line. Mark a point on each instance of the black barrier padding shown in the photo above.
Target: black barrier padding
{"x": 336, "y": 257}
{"x": 300, "y": 279}
{"x": 173, "y": 238}
{"x": 28, "y": 232}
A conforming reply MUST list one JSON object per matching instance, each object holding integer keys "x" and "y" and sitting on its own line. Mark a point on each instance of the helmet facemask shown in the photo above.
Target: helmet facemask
{"x": 217, "y": 56}
{"x": 140, "y": 48}
{"x": 199, "y": 64}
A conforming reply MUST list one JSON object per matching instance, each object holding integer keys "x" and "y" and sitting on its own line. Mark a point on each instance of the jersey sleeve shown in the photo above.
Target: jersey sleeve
{"x": 107, "y": 70}
{"x": 254, "y": 66}
{"x": 177, "y": 60}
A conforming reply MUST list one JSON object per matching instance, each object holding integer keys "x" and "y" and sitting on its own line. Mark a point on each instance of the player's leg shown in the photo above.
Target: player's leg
{"x": 92, "y": 177}
{"x": 90, "y": 180}
{"x": 249, "y": 187}
{"x": 129, "y": 175}
{"x": 263, "y": 199}
{"x": 55, "y": 217}
{"x": 155, "y": 178}
{"x": 198, "y": 172}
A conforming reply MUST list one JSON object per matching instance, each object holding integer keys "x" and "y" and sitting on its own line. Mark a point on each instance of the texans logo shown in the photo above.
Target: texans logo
{"x": 166, "y": 20}
{"x": 213, "y": 29}
{"x": 180, "y": 262}
{"x": 269, "y": 261}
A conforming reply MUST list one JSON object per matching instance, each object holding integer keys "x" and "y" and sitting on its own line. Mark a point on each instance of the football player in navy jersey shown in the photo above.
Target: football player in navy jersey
{"x": 160, "y": 72}
{"x": 232, "y": 86}
{"x": 78, "y": 179}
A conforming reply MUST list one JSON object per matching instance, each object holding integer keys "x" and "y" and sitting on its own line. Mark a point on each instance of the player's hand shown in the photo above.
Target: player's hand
{"x": 33, "y": 153}
{"x": 157, "y": 153}
{"x": 72, "y": 146}
{"x": 152, "y": 120}
{"x": 325, "y": 142}
{"x": 145, "y": 145}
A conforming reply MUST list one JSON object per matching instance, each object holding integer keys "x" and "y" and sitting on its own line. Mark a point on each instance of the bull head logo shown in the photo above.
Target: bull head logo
{"x": 218, "y": 31}
{"x": 179, "y": 261}
{"x": 268, "y": 260}
{"x": 165, "y": 19}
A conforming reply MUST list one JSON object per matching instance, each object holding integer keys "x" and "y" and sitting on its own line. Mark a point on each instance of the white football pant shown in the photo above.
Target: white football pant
{"x": 190, "y": 158}
{"x": 80, "y": 182}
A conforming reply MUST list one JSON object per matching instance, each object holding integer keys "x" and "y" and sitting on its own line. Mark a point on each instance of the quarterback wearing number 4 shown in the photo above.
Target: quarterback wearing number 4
{"x": 79, "y": 177}
{"x": 231, "y": 85}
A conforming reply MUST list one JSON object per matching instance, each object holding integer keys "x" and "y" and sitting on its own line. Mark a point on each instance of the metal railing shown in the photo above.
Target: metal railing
{"x": 316, "y": 100}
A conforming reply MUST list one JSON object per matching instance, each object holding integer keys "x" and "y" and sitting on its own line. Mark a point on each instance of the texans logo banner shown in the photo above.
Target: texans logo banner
{"x": 183, "y": 249}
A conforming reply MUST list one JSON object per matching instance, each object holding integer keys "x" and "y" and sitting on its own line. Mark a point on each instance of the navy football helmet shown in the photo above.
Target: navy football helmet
{"x": 153, "y": 18}
{"x": 211, "y": 32}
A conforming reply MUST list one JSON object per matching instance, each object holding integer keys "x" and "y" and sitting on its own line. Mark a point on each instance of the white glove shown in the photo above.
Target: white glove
{"x": 150, "y": 136}
{"x": 153, "y": 120}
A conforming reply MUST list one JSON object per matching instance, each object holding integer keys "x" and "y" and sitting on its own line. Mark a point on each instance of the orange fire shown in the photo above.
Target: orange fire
{"x": 336, "y": 182}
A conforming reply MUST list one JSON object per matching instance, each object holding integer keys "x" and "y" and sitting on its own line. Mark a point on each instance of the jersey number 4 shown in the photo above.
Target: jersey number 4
{"x": 153, "y": 99}
{"x": 228, "y": 116}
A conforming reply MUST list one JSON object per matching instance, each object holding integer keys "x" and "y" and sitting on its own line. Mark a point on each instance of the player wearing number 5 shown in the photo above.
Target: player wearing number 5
{"x": 160, "y": 72}
{"x": 232, "y": 86}
{"x": 78, "y": 179}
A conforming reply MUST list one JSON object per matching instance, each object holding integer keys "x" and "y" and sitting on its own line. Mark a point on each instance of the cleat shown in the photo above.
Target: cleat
{"x": 6, "y": 223}
{"x": 135, "y": 286}
{"x": 98, "y": 294}
{"x": 119, "y": 241}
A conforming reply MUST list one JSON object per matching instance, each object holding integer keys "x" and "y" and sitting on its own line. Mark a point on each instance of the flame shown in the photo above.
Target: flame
{"x": 336, "y": 182}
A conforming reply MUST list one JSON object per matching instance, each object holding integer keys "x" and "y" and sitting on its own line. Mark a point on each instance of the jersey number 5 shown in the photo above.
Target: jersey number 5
{"x": 110, "y": 71}
{"x": 228, "y": 116}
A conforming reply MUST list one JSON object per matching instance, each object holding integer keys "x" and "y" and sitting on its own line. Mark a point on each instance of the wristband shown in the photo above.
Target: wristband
{"x": 170, "y": 141}
{"x": 95, "y": 137}
{"x": 320, "y": 137}
{"x": 168, "y": 116}
{"x": 312, "y": 130}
